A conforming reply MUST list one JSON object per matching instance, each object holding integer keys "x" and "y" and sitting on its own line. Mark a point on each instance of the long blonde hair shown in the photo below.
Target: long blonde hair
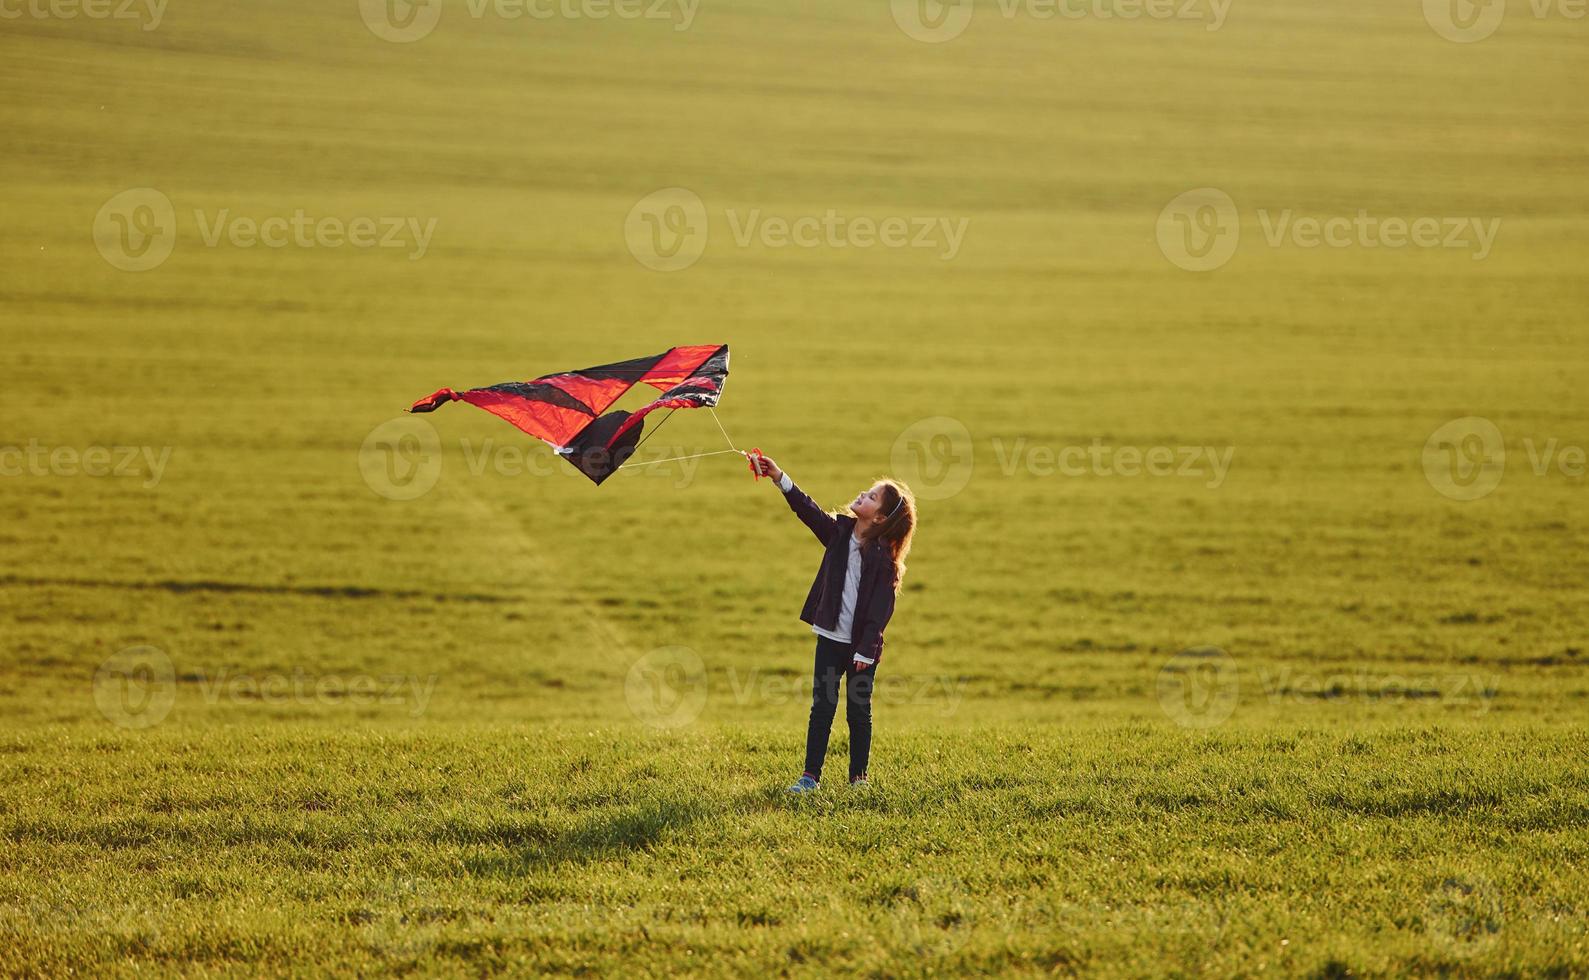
{"x": 899, "y": 527}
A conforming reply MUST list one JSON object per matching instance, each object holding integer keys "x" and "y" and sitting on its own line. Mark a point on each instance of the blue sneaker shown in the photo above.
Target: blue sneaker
{"x": 805, "y": 784}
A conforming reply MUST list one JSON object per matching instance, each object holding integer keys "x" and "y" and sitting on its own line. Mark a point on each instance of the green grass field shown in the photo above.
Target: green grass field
{"x": 1308, "y": 701}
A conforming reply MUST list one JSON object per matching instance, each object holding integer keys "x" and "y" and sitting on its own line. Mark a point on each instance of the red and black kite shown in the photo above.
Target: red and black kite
{"x": 565, "y": 409}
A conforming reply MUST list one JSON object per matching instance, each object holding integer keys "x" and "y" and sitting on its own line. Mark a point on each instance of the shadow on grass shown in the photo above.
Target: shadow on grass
{"x": 526, "y": 845}
{"x": 634, "y": 828}
{"x": 247, "y": 588}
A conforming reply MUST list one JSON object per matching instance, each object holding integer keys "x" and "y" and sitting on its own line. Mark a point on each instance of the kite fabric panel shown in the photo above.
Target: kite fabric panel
{"x": 568, "y": 410}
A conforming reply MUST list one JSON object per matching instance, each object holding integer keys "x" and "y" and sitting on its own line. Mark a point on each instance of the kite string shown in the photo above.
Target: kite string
{"x": 653, "y": 432}
{"x": 673, "y": 459}
{"x": 713, "y": 410}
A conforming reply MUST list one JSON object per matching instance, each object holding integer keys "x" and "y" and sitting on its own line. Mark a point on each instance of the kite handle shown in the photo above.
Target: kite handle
{"x": 755, "y": 457}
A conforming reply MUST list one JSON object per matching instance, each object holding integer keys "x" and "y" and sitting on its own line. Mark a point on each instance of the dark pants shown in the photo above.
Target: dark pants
{"x": 833, "y": 662}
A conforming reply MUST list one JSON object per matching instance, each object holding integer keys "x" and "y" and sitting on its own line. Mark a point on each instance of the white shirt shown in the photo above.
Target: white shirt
{"x": 852, "y": 585}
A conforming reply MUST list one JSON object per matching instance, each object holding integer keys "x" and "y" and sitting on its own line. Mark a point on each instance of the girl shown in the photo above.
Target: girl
{"x": 849, "y": 605}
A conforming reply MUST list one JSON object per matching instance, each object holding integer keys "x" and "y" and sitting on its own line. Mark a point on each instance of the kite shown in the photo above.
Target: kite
{"x": 568, "y": 410}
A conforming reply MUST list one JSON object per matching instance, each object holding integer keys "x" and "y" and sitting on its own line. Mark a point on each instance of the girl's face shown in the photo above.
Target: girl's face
{"x": 868, "y": 504}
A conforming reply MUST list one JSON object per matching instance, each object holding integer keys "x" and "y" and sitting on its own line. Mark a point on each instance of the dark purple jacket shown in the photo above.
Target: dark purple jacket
{"x": 874, "y": 599}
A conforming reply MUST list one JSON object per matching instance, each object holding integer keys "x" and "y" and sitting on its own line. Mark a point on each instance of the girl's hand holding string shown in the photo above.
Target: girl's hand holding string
{"x": 769, "y": 468}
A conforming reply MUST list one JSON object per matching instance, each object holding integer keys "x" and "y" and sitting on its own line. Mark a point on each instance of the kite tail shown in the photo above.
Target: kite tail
{"x": 430, "y": 402}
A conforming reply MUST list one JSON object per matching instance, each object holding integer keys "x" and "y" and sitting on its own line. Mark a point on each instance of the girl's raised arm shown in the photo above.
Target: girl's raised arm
{"x": 821, "y": 523}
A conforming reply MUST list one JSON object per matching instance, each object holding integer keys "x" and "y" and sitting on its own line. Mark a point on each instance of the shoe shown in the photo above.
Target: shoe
{"x": 860, "y": 782}
{"x": 805, "y": 784}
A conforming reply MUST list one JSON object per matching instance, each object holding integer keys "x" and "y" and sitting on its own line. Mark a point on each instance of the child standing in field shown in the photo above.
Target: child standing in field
{"x": 849, "y": 605}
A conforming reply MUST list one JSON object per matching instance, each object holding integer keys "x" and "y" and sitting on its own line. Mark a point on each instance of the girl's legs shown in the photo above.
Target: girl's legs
{"x": 832, "y": 657}
{"x": 858, "y": 712}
